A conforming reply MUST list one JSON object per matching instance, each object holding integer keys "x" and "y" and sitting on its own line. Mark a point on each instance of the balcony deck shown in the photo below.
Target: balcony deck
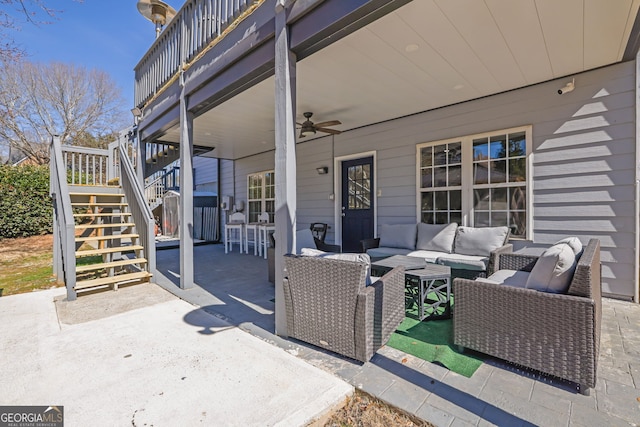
{"x": 235, "y": 287}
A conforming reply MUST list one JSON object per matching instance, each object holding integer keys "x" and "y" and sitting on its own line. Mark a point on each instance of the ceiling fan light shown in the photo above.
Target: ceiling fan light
{"x": 307, "y": 130}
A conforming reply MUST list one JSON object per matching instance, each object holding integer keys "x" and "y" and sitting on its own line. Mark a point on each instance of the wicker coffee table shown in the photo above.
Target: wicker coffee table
{"x": 430, "y": 288}
{"x": 379, "y": 268}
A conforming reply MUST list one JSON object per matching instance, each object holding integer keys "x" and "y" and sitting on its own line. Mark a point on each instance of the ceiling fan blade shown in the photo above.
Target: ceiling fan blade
{"x": 331, "y": 131}
{"x": 299, "y": 124}
{"x": 329, "y": 123}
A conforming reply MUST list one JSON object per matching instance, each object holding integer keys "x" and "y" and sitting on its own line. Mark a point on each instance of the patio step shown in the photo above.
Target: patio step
{"x": 114, "y": 281}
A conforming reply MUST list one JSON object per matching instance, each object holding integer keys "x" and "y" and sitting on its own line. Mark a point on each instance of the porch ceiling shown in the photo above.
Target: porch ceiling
{"x": 427, "y": 54}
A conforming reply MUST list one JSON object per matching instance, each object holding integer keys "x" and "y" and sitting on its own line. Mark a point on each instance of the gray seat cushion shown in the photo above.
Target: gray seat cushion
{"x": 436, "y": 237}
{"x": 513, "y": 278}
{"x": 465, "y": 262}
{"x": 429, "y": 256}
{"x": 384, "y": 252}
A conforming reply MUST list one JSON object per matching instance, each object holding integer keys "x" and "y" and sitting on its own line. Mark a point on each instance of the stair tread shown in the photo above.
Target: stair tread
{"x": 98, "y": 204}
{"x": 102, "y": 214}
{"x": 109, "y": 237}
{"x": 119, "y": 263}
{"x": 82, "y": 284}
{"x": 72, "y": 194}
{"x": 92, "y": 252}
{"x": 112, "y": 225}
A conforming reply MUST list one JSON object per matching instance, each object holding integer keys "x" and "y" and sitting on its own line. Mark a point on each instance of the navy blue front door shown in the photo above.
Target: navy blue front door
{"x": 357, "y": 203}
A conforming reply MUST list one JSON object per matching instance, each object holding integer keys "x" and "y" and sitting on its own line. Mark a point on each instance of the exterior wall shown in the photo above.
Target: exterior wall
{"x": 206, "y": 171}
{"x": 583, "y": 174}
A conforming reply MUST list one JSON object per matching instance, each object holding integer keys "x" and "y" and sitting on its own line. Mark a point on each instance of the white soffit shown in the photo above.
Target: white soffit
{"x": 428, "y": 54}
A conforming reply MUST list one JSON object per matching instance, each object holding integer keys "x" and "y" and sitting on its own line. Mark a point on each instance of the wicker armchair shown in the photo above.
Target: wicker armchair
{"x": 328, "y": 305}
{"x": 557, "y": 334}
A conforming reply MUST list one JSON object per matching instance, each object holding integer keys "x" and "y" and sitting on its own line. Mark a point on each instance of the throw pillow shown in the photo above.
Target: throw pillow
{"x": 398, "y": 236}
{"x": 436, "y": 237}
{"x": 554, "y": 269}
{"x": 479, "y": 241}
{"x": 574, "y": 243}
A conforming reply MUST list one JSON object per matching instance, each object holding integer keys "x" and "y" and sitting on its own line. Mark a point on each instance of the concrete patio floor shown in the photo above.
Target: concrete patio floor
{"x": 142, "y": 357}
{"x": 234, "y": 287}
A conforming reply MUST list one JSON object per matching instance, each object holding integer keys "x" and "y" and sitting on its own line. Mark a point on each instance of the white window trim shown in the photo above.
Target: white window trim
{"x": 467, "y": 172}
{"x": 263, "y": 199}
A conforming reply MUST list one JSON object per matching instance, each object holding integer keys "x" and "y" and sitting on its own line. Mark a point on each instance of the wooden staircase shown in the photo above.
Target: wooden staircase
{"x": 108, "y": 250}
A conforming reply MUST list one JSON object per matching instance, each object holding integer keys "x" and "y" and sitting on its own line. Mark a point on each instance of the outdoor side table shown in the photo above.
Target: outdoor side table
{"x": 431, "y": 290}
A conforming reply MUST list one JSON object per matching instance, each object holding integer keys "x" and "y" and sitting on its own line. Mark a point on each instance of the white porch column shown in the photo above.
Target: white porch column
{"x": 285, "y": 156}
{"x": 186, "y": 194}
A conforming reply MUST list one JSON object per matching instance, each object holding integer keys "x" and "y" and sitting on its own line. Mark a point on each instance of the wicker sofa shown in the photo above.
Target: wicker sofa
{"x": 557, "y": 334}
{"x": 470, "y": 252}
{"x": 328, "y": 304}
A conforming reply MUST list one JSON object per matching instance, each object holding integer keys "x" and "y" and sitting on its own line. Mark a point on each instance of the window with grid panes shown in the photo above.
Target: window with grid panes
{"x": 261, "y": 191}
{"x": 477, "y": 180}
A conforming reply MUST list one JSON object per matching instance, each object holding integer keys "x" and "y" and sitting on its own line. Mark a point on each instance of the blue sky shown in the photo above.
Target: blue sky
{"x": 105, "y": 34}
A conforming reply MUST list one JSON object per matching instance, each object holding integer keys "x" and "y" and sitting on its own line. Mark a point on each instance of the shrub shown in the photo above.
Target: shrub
{"x": 25, "y": 206}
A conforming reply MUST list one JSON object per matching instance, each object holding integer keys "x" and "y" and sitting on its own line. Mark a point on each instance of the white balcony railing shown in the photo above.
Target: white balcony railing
{"x": 194, "y": 27}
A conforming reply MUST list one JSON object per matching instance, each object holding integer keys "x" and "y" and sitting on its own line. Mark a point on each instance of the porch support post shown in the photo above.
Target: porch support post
{"x": 186, "y": 193}
{"x": 141, "y": 155}
{"x": 285, "y": 155}
{"x": 636, "y": 296}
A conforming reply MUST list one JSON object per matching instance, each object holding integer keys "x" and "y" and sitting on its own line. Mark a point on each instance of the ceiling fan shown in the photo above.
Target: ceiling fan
{"x": 308, "y": 127}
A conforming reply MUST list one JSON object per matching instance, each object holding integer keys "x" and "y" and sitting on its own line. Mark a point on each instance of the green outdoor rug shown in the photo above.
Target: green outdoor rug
{"x": 432, "y": 340}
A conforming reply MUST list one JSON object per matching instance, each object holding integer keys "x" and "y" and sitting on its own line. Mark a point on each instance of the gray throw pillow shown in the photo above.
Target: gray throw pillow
{"x": 574, "y": 243}
{"x": 436, "y": 237}
{"x": 398, "y": 236}
{"x": 479, "y": 241}
{"x": 554, "y": 269}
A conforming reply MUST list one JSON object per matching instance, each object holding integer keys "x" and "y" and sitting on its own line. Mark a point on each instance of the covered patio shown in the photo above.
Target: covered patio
{"x": 497, "y": 394}
{"x": 401, "y": 76}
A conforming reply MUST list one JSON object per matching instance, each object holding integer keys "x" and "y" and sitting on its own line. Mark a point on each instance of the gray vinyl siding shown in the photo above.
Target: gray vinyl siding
{"x": 206, "y": 170}
{"x": 583, "y": 158}
{"x": 227, "y": 183}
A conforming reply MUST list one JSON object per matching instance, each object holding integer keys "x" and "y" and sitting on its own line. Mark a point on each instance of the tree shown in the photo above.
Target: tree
{"x": 15, "y": 12}
{"x": 38, "y": 101}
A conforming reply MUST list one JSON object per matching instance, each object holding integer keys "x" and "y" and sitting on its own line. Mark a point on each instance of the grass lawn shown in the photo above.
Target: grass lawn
{"x": 26, "y": 264}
